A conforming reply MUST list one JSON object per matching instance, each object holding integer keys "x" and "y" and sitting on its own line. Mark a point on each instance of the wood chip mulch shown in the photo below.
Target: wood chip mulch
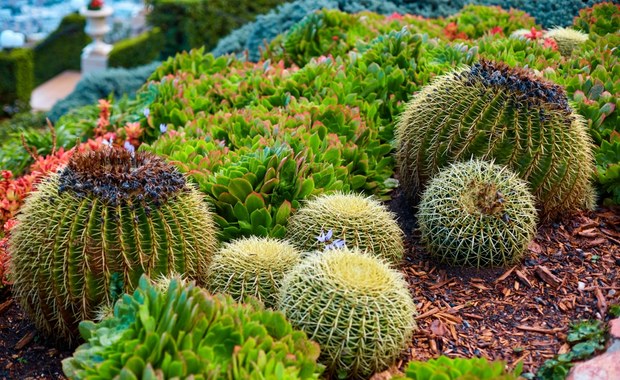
{"x": 522, "y": 313}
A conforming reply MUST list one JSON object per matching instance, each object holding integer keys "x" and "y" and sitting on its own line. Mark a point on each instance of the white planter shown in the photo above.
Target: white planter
{"x": 97, "y": 27}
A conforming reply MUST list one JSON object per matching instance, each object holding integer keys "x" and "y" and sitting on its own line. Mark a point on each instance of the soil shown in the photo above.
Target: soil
{"x": 517, "y": 314}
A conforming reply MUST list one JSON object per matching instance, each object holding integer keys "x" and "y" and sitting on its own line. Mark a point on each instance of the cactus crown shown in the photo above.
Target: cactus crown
{"x": 527, "y": 89}
{"x": 115, "y": 176}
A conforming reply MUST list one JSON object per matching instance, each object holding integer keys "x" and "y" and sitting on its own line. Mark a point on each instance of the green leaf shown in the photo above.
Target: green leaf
{"x": 240, "y": 188}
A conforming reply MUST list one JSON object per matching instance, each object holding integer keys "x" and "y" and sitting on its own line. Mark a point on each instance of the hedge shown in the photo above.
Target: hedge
{"x": 253, "y": 36}
{"x": 61, "y": 50}
{"x": 187, "y": 24}
{"x": 137, "y": 51}
{"x": 16, "y": 80}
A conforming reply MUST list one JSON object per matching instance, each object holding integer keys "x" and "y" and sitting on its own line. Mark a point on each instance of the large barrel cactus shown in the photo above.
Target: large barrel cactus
{"x": 477, "y": 214}
{"x": 89, "y": 232}
{"x": 354, "y": 306}
{"x": 492, "y": 111}
{"x": 179, "y": 331}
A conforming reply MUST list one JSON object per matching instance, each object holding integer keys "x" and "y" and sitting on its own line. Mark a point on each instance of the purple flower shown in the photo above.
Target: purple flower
{"x": 130, "y": 148}
{"x": 337, "y": 244}
{"x": 108, "y": 142}
{"x": 325, "y": 236}
{"x": 163, "y": 128}
{"x": 146, "y": 112}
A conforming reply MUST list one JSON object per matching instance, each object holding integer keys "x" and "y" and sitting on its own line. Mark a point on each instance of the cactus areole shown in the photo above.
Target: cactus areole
{"x": 88, "y": 233}
{"x": 494, "y": 112}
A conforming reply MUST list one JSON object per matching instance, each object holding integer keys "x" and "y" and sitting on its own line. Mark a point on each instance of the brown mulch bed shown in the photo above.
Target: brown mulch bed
{"x": 513, "y": 314}
{"x": 522, "y": 313}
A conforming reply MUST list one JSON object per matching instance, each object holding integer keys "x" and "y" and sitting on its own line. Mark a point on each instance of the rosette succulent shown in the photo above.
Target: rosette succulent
{"x": 493, "y": 111}
{"x": 97, "y": 225}
{"x": 182, "y": 332}
{"x": 459, "y": 368}
{"x": 477, "y": 214}
{"x": 252, "y": 266}
{"x": 354, "y": 305}
{"x": 358, "y": 220}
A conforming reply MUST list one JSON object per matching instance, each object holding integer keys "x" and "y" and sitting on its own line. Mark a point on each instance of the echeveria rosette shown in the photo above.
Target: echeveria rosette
{"x": 181, "y": 331}
{"x": 357, "y": 308}
{"x": 252, "y": 266}
{"x": 477, "y": 214}
{"x": 96, "y": 226}
{"x": 459, "y": 368}
{"x": 360, "y": 221}
{"x": 493, "y": 111}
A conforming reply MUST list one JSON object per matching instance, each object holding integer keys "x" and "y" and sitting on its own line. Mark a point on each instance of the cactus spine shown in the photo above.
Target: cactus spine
{"x": 89, "y": 232}
{"x": 567, "y": 39}
{"x": 492, "y": 111}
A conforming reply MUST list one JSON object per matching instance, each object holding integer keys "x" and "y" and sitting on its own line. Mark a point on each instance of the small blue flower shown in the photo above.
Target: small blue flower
{"x": 146, "y": 112}
{"x": 163, "y": 128}
{"x": 325, "y": 236}
{"x": 130, "y": 148}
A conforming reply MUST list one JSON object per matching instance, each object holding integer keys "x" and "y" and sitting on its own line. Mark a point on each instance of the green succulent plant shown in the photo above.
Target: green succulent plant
{"x": 493, "y": 111}
{"x": 358, "y": 220}
{"x": 96, "y": 226}
{"x": 182, "y": 332}
{"x": 477, "y": 214}
{"x": 567, "y": 39}
{"x": 445, "y": 368}
{"x": 354, "y": 305}
{"x": 252, "y": 266}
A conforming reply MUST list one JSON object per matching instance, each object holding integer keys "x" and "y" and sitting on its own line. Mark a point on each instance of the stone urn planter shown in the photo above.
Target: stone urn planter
{"x": 97, "y": 27}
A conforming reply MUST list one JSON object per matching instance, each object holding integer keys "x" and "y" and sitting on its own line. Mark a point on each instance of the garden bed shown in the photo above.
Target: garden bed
{"x": 513, "y": 314}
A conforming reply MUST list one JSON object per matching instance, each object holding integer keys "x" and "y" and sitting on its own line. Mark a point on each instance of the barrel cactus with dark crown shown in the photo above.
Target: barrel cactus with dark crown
{"x": 493, "y": 111}
{"x": 88, "y": 232}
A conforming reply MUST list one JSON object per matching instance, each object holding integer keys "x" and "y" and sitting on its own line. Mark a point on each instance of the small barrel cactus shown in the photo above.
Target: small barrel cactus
{"x": 88, "y": 232}
{"x": 182, "y": 332}
{"x": 252, "y": 266}
{"x": 359, "y": 221}
{"x": 493, "y": 111}
{"x": 567, "y": 39}
{"x": 354, "y": 305}
{"x": 477, "y": 214}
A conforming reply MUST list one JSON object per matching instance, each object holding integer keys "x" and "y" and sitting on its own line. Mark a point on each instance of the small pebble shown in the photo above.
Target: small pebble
{"x": 581, "y": 285}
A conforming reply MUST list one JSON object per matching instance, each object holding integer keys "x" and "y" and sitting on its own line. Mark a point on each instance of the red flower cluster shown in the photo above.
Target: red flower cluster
{"x": 95, "y": 5}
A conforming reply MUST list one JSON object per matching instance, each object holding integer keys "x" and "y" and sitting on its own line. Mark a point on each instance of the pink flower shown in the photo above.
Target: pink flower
{"x": 497, "y": 30}
{"x": 533, "y": 34}
{"x": 394, "y": 16}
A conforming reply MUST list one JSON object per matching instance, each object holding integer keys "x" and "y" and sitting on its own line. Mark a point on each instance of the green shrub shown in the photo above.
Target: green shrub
{"x": 16, "y": 71}
{"x": 354, "y": 306}
{"x": 188, "y": 24}
{"x": 492, "y": 111}
{"x": 474, "y": 21}
{"x": 61, "y": 50}
{"x": 445, "y": 368}
{"x": 252, "y": 266}
{"x": 477, "y": 214}
{"x": 20, "y": 122}
{"x": 182, "y": 332}
{"x": 601, "y": 19}
{"x": 92, "y": 229}
{"x": 140, "y": 50}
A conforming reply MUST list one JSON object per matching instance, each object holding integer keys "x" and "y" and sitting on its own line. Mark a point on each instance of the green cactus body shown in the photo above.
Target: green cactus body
{"x": 252, "y": 266}
{"x": 567, "y": 39}
{"x": 179, "y": 331}
{"x": 492, "y": 111}
{"x": 354, "y": 305}
{"x": 477, "y": 214}
{"x": 95, "y": 227}
{"x": 360, "y": 221}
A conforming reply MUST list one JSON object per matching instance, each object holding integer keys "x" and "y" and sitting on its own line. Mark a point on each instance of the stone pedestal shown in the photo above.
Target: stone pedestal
{"x": 95, "y": 55}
